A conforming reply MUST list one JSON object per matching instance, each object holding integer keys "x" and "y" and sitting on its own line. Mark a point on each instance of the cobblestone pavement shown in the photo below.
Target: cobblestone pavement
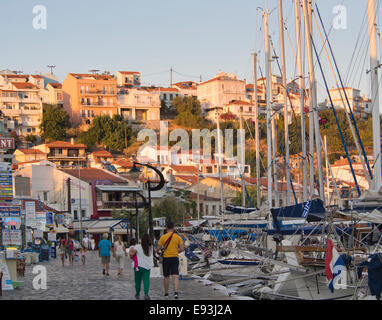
{"x": 87, "y": 282}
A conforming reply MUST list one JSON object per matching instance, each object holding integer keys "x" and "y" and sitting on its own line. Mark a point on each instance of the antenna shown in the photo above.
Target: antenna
{"x": 171, "y": 77}
{"x": 94, "y": 71}
{"x": 51, "y": 68}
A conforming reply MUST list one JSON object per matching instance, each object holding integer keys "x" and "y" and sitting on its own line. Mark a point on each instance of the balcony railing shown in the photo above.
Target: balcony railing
{"x": 112, "y": 205}
{"x": 97, "y": 92}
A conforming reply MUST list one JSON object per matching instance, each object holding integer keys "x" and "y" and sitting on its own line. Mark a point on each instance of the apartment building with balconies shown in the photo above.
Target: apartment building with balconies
{"x": 53, "y": 94}
{"x": 219, "y": 91}
{"x": 64, "y": 154}
{"x": 360, "y": 105}
{"x": 187, "y": 88}
{"x": 21, "y": 106}
{"x": 128, "y": 79}
{"x": 89, "y": 95}
{"x": 138, "y": 104}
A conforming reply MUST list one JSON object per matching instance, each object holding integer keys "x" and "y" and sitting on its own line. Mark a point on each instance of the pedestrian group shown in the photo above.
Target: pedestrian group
{"x": 142, "y": 255}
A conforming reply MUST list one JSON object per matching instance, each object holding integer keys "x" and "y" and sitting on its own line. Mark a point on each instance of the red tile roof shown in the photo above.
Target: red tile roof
{"x": 24, "y": 85}
{"x": 129, "y": 72}
{"x": 188, "y": 169}
{"x": 189, "y": 179}
{"x": 79, "y": 76}
{"x": 20, "y": 76}
{"x": 102, "y": 153}
{"x": 64, "y": 144}
{"x": 55, "y": 85}
{"x": 124, "y": 163}
{"x": 30, "y": 151}
{"x": 36, "y": 76}
{"x": 93, "y": 174}
{"x": 168, "y": 90}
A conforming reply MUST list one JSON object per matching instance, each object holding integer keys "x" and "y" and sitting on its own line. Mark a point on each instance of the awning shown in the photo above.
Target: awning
{"x": 120, "y": 231}
{"x": 118, "y": 188}
{"x": 98, "y": 230}
{"x": 104, "y": 226}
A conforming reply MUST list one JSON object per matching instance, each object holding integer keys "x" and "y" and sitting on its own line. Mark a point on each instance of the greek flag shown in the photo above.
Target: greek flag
{"x": 306, "y": 209}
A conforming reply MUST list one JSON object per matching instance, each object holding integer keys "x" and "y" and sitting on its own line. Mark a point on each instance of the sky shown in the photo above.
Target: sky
{"x": 197, "y": 38}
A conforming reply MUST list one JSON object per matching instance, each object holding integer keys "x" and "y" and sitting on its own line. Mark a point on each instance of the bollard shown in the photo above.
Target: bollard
{"x": 1, "y": 284}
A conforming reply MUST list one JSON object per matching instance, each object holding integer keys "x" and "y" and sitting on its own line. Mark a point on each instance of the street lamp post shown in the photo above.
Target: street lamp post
{"x": 150, "y": 188}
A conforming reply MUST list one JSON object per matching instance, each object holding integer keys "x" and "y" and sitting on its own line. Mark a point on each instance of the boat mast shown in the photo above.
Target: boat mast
{"x": 257, "y": 133}
{"x": 302, "y": 100}
{"x": 241, "y": 138}
{"x": 268, "y": 101}
{"x": 314, "y": 126}
{"x": 286, "y": 113}
{"x": 374, "y": 65}
{"x": 220, "y": 162}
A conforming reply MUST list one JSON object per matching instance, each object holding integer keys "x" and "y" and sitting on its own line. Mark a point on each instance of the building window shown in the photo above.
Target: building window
{"x": 45, "y": 195}
{"x": 171, "y": 97}
{"x": 165, "y": 96}
{"x": 75, "y": 214}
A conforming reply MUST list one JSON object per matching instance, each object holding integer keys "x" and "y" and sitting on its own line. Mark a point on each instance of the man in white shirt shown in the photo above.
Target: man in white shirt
{"x": 85, "y": 242}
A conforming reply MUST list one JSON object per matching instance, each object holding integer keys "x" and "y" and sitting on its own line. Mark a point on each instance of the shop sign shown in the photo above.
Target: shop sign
{"x": 11, "y": 237}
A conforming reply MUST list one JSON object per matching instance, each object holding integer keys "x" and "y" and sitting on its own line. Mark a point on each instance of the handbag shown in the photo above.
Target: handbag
{"x": 161, "y": 253}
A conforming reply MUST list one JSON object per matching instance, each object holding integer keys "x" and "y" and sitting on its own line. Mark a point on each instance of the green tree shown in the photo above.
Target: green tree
{"x": 171, "y": 208}
{"x": 189, "y": 112}
{"x": 252, "y": 192}
{"x": 31, "y": 138}
{"x": 54, "y": 123}
{"x": 113, "y": 133}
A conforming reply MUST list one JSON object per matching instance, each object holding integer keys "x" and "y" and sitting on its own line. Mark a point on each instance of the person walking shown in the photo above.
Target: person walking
{"x": 70, "y": 250}
{"x": 144, "y": 255}
{"x": 83, "y": 254}
{"x": 92, "y": 244}
{"x": 85, "y": 242}
{"x": 62, "y": 250}
{"x": 172, "y": 245}
{"x": 104, "y": 247}
{"x": 119, "y": 254}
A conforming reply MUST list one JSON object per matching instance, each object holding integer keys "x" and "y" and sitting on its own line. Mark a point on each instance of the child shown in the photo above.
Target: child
{"x": 83, "y": 252}
{"x": 133, "y": 242}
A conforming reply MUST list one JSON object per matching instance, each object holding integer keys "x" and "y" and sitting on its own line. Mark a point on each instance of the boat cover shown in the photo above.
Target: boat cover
{"x": 313, "y": 211}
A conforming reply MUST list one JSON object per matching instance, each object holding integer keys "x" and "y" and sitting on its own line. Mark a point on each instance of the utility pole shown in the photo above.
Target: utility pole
{"x": 268, "y": 101}
{"x": 314, "y": 126}
{"x": 302, "y": 100}
{"x": 374, "y": 65}
{"x": 286, "y": 112}
{"x": 257, "y": 133}
{"x": 51, "y": 69}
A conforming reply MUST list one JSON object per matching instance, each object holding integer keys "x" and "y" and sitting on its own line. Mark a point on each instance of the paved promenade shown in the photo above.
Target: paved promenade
{"x": 80, "y": 282}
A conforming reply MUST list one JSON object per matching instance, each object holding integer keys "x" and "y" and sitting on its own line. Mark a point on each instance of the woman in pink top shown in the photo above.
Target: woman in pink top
{"x": 71, "y": 251}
